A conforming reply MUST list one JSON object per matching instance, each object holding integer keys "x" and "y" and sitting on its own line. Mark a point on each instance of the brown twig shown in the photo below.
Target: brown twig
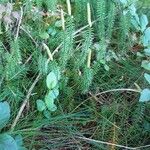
{"x": 25, "y": 102}
{"x": 112, "y": 144}
{"x": 117, "y": 90}
{"x": 19, "y": 23}
{"x": 27, "y": 32}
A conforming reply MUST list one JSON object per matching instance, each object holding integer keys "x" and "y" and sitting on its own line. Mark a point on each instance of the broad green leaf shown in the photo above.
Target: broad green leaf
{"x": 44, "y": 35}
{"x": 50, "y": 103}
{"x": 146, "y": 37}
{"x": 140, "y": 54}
{"x": 132, "y": 9}
{"x": 58, "y": 23}
{"x": 4, "y": 114}
{"x": 52, "y": 31}
{"x": 40, "y": 105}
{"x": 57, "y": 73}
{"x": 47, "y": 114}
{"x": 19, "y": 142}
{"x": 147, "y": 77}
{"x": 124, "y": 2}
{"x": 125, "y": 11}
{"x": 145, "y": 95}
{"x": 7, "y": 142}
{"x": 143, "y": 22}
{"x": 135, "y": 24}
{"x": 147, "y": 51}
{"x": 51, "y": 80}
{"x": 147, "y": 33}
{"x": 146, "y": 125}
{"x": 146, "y": 64}
{"x": 52, "y": 94}
{"x": 106, "y": 67}
{"x": 54, "y": 108}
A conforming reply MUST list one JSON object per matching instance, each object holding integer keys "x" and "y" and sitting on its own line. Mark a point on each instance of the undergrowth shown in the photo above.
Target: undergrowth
{"x": 70, "y": 72}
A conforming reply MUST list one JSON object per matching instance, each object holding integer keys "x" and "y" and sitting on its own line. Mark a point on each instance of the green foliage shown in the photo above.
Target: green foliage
{"x": 146, "y": 37}
{"x": 124, "y": 29}
{"x": 86, "y": 79}
{"x": 49, "y": 99}
{"x": 52, "y": 5}
{"x": 4, "y": 114}
{"x": 147, "y": 77}
{"x": 40, "y": 105}
{"x": 76, "y": 61}
{"x": 145, "y": 95}
{"x": 7, "y": 142}
{"x": 145, "y": 64}
{"x": 86, "y": 45}
{"x": 140, "y": 23}
{"x": 143, "y": 22}
{"x": 44, "y": 35}
{"x": 111, "y": 20}
{"x": 53, "y": 91}
{"x": 67, "y": 37}
{"x": 80, "y": 8}
{"x": 51, "y": 80}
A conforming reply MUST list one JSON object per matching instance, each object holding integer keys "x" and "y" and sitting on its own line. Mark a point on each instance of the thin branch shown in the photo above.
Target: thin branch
{"x": 104, "y": 92}
{"x": 28, "y": 59}
{"x": 94, "y": 97}
{"x": 27, "y": 130}
{"x": 82, "y": 28}
{"x": 112, "y": 144}
{"x": 19, "y": 23}
{"x": 25, "y": 102}
{"x": 48, "y": 52}
{"x": 56, "y": 50}
{"x": 116, "y": 90}
{"x": 141, "y": 147}
{"x": 23, "y": 29}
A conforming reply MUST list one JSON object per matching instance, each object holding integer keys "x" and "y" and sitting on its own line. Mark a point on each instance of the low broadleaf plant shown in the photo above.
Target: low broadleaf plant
{"x": 146, "y": 65}
{"x": 145, "y": 95}
{"x": 48, "y": 104}
{"x": 7, "y": 142}
{"x": 40, "y": 105}
{"x": 4, "y": 114}
{"x": 147, "y": 77}
{"x": 140, "y": 24}
{"x": 51, "y": 80}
